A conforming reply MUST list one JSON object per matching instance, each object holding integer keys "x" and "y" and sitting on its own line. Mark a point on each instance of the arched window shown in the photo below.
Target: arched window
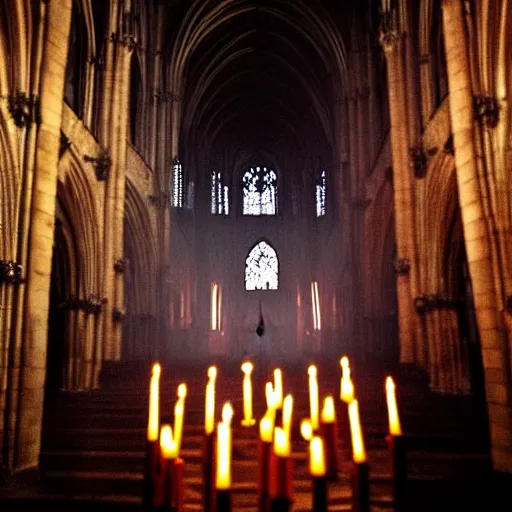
{"x": 262, "y": 268}
{"x": 219, "y": 194}
{"x": 177, "y": 184}
{"x": 320, "y": 194}
{"x": 260, "y": 191}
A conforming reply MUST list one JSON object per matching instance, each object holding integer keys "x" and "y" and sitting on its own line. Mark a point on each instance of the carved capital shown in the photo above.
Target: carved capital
{"x": 402, "y": 266}
{"x": 486, "y": 109}
{"x": 120, "y": 265}
{"x": 10, "y": 272}
{"x": 24, "y": 108}
{"x": 118, "y": 314}
{"x": 101, "y": 164}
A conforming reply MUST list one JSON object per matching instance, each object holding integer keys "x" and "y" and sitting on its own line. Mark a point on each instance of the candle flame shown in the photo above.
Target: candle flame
{"x": 182, "y": 390}
{"x": 247, "y": 367}
{"x": 306, "y": 429}
{"x": 287, "y": 413}
{"x": 312, "y": 371}
{"x": 269, "y": 394}
{"x": 212, "y": 372}
{"x": 227, "y": 413}
{"x": 282, "y": 446}
{"x": 316, "y": 457}
{"x": 394, "y": 421}
{"x": 167, "y": 443}
{"x": 390, "y": 385}
{"x": 328, "y": 414}
{"x": 156, "y": 370}
{"x": 358, "y": 450}
{"x": 266, "y": 429}
{"x": 344, "y": 362}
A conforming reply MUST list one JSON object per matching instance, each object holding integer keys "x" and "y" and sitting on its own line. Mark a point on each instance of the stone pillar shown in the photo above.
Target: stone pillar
{"x": 477, "y": 238}
{"x": 402, "y": 188}
{"x": 31, "y": 396}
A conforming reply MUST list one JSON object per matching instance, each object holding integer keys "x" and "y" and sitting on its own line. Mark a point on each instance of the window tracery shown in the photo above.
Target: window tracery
{"x": 262, "y": 268}
{"x": 260, "y": 191}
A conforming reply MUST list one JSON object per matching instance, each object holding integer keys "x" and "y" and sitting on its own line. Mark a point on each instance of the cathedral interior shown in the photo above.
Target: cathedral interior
{"x": 200, "y": 182}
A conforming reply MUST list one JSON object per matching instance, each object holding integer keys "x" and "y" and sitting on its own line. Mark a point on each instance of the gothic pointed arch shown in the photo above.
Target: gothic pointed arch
{"x": 262, "y": 267}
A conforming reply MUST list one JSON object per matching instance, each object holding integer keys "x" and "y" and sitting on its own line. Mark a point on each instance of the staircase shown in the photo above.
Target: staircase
{"x": 93, "y": 443}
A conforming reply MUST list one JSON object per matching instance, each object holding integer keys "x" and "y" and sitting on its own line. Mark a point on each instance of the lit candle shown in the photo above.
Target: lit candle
{"x": 306, "y": 429}
{"x": 316, "y": 457}
{"x": 345, "y": 368}
{"x": 328, "y": 415}
{"x": 154, "y": 404}
{"x": 282, "y": 447}
{"x": 287, "y": 414}
{"x": 167, "y": 443}
{"x": 395, "y": 428}
{"x": 178, "y": 421}
{"x": 269, "y": 395}
{"x": 313, "y": 396}
{"x": 266, "y": 428}
{"x": 278, "y": 387}
{"x": 209, "y": 423}
{"x": 358, "y": 451}
{"x": 347, "y": 390}
{"x": 248, "y": 420}
{"x": 318, "y": 471}
{"x": 223, "y": 478}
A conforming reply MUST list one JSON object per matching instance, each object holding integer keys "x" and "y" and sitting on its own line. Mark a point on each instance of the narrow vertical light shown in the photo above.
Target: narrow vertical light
{"x": 317, "y": 306}
{"x": 313, "y": 305}
{"x": 395, "y": 428}
{"x": 313, "y": 397}
{"x": 213, "y": 313}
{"x": 154, "y": 404}
{"x": 358, "y": 451}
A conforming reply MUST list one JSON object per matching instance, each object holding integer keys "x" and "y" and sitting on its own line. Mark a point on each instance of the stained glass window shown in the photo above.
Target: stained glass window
{"x": 219, "y": 195}
{"x": 320, "y": 194}
{"x": 262, "y": 268}
{"x": 177, "y": 184}
{"x": 260, "y": 191}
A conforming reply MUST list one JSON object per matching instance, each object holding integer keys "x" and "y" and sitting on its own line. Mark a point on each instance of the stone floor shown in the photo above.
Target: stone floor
{"x": 93, "y": 444}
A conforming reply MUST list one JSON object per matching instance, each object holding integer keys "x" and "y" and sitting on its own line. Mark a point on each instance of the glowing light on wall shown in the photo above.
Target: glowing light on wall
{"x": 262, "y": 268}
{"x": 215, "y": 307}
{"x": 315, "y": 302}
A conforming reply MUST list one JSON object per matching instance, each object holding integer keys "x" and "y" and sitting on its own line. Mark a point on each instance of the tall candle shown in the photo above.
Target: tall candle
{"x": 179, "y": 409}
{"x": 358, "y": 451}
{"x": 287, "y": 414}
{"x": 316, "y": 457}
{"x": 395, "y": 428}
{"x": 278, "y": 387}
{"x": 313, "y": 396}
{"x": 347, "y": 390}
{"x": 223, "y": 476}
{"x": 248, "y": 420}
{"x": 209, "y": 422}
{"x": 154, "y": 404}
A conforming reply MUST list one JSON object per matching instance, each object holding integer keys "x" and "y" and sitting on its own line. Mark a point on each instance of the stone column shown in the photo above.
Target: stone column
{"x": 31, "y": 396}
{"x": 477, "y": 238}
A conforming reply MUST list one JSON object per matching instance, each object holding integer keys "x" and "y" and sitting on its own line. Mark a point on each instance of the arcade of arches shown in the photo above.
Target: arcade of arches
{"x": 371, "y": 149}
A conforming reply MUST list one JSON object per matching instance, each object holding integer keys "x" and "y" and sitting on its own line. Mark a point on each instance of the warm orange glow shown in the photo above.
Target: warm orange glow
{"x": 358, "y": 450}
{"x": 248, "y": 420}
{"x": 282, "y": 447}
{"x": 278, "y": 387}
{"x": 269, "y": 395}
{"x": 167, "y": 444}
{"x": 313, "y": 396}
{"x": 179, "y": 410}
{"x": 395, "y": 428}
{"x": 182, "y": 390}
{"x": 214, "y": 306}
{"x": 154, "y": 404}
{"x": 328, "y": 414}
{"x": 306, "y": 429}
{"x": 347, "y": 390}
{"x": 209, "y": 422}
{"x": 266, "y": 428}
{"x": 223, "y": 472}
{"x": 287, "y": 414}
{"x": 227, "y": 413}
{"x": 345, "y": 367}
{"x": 316, "y": 457}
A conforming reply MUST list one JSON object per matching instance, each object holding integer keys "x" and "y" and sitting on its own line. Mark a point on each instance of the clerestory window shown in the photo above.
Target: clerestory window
{"x": 260, "y": 191}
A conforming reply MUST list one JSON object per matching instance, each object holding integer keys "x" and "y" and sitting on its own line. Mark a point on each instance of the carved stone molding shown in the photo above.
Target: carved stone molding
{"x": 118, "y": 314}
{"x": 120, "y": 265}
{"x": 101, "y": 164}
{"x": 24, "y": 108}
{"x": 402, "y": 266}
{"x": 432, "y": 302}
{"x": 389, "y": 33}
{"x": 161, "y": 200}
{"x": 10, "y": 272}
{"x": 486, "y": 109}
